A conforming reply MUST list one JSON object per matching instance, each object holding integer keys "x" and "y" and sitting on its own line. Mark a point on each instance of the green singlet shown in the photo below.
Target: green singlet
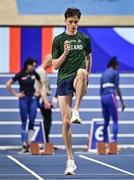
{"x": 80, "y": 47}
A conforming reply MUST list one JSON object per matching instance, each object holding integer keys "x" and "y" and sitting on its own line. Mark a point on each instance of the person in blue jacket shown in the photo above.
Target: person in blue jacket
{"x": 109, "y": 89}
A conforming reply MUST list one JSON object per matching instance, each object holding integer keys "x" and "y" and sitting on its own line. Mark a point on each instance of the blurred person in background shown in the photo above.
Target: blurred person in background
{"x": 27, "y": 99}
{"x": 108, "y": 90}
{"x": 45, "y": 104}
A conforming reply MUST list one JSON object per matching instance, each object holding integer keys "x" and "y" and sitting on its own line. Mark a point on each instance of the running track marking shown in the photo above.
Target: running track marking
{"x": 25, "y": 167}
{"x": 63, "y": 174}
{"x": 105, "y": 164}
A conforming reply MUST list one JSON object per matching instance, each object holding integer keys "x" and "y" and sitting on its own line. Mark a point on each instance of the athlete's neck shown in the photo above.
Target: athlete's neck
{"x": 43, "y": 66}
{"x": 71, "y": 33}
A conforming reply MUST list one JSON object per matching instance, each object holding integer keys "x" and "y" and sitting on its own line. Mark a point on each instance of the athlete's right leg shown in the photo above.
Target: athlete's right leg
{"x": 23, "y": 106}
{"x": 47, "y": 118}
{"x": 106, "y": 117}
{"x": 65, "y": 107}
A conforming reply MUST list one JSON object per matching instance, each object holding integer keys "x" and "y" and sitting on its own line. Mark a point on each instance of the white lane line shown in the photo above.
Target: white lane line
{"x": 58, "y": 110}
{"x": 25, "y": 167}
{"x": 96, "y": 98}
{"x": 105, "y": 164}
{"x": 108, "y": 174}
{"x": 57, "y": 122}
{"x": 60, "y": 135}
{"x": 92, "y": 86}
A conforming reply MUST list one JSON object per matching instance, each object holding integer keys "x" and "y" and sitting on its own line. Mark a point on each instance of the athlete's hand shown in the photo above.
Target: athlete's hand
{"x": 47, "y": 104}
{"x": 20, "y": 94}
{"x": 54, "y": 102}
{"x": 123, "y": 105}
{"x": 66, "y": 47}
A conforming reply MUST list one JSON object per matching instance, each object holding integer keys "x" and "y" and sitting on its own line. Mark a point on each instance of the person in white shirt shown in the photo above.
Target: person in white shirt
{"x": 45, "y": 105}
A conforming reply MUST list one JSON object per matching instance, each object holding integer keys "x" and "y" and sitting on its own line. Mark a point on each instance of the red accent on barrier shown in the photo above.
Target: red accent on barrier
{"x": 15, "y": 49}
{"x": 47, "y": 43}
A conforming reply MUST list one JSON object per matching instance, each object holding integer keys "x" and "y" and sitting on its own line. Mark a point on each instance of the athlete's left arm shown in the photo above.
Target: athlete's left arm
{"x": 88, "y": 51}
{"x": 89, "y": 63}
{"x": 88, "y": 67}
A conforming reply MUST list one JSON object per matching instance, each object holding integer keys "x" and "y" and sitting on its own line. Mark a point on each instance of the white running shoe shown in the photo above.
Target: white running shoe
{"x": 76, "y": 117}
{"x": 70, "y": 167}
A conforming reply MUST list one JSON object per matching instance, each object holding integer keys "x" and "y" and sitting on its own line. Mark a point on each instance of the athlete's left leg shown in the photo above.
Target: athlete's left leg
{"x": 47, "y": 120}
{"x": 32, "y": 116}
{"x": 80, "y": 85}
{"x": 114, "y": 114}
{"x": 106, "y": 117}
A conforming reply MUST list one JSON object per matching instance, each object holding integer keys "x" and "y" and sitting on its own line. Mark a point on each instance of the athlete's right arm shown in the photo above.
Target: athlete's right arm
{"x": 57, "y": 62}
{"x": 8, "y": 86}
{"x": 119, "y": 91}
{"x": 121, "y": 99}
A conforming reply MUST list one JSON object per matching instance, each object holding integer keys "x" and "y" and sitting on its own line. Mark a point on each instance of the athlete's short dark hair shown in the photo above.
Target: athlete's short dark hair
{"x": 113, "y": 62}
{"x": 71, "y": 12}
{"x": 29, "y": 61}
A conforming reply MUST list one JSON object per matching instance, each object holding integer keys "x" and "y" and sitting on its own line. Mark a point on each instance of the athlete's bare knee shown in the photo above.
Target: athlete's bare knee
{"x": 66, "y": 123}
{"x": 81, "y": 75}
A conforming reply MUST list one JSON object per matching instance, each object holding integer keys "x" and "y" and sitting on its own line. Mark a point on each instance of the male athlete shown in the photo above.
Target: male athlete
{"x": 71, "y": 54}
{"x": 109, "y": 88}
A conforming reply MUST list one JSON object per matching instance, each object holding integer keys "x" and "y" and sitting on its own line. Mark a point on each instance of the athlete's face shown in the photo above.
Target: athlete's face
{"x": 31, "y": 67}
{"x": 72, "y": 24}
